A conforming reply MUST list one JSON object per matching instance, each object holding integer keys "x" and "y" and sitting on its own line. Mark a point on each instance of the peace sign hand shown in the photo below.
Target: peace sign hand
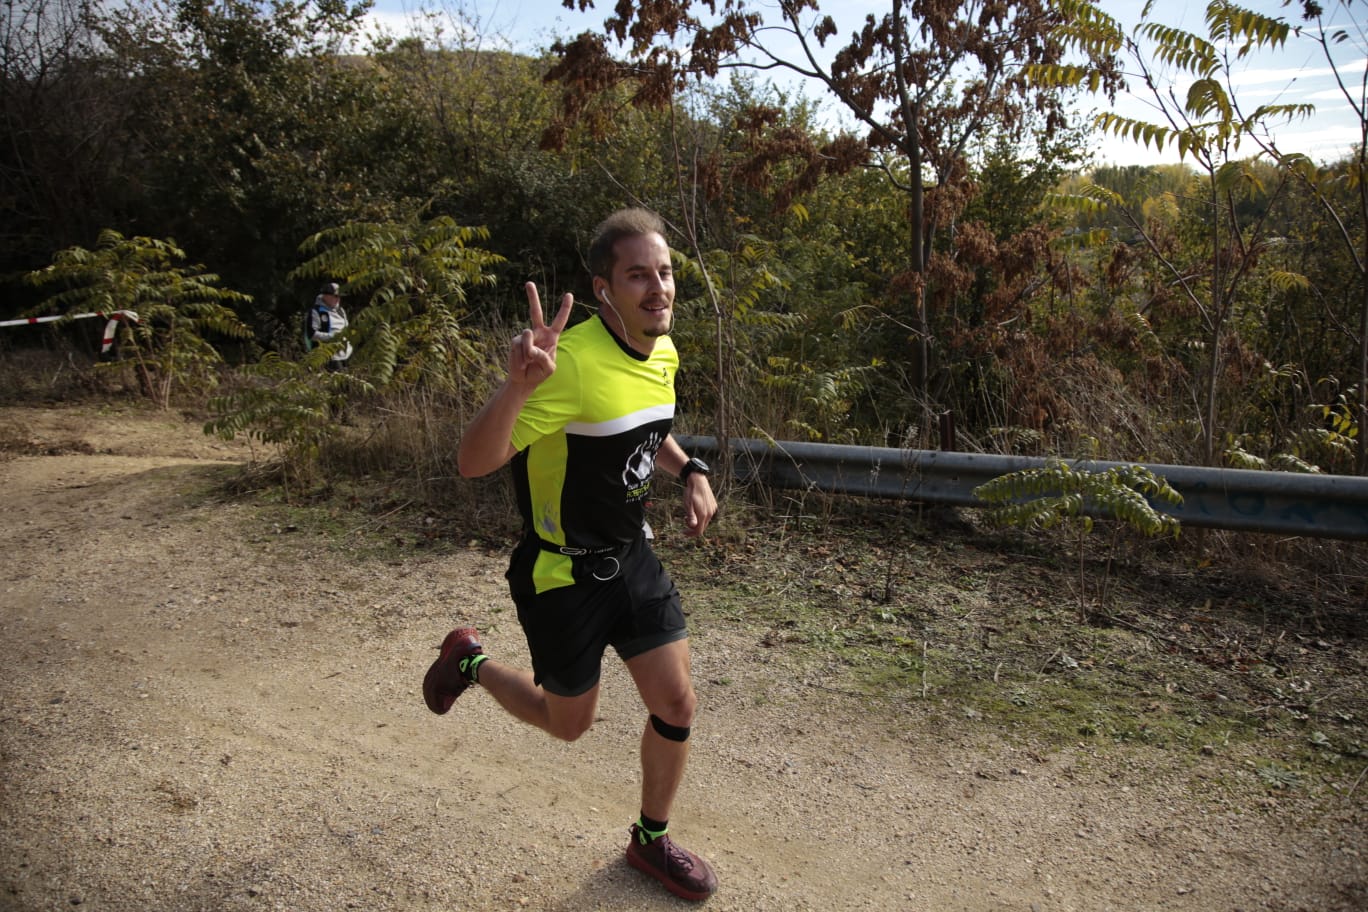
{"x": 532, "y": 356}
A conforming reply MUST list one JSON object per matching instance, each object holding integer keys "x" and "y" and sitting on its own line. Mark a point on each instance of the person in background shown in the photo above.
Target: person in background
{"x": 326, "y": 322}
{"x": 584, "y": 417}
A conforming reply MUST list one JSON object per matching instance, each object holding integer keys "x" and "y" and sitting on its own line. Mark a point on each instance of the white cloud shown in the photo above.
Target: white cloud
{"x": 391, "y": 22}
{"x": 1331, "y": 94}
{"x": 527, "y": 26}
{"x": 1286, "y": 75}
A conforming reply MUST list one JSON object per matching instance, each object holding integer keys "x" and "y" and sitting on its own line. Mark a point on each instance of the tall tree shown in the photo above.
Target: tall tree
{"x": 918, "y": 87}
{"x": 258, "y": 116}
{"x": 63, "y": 109}
{"x": 1326, "y": 182}
{"x": 1207, "y": 128}
{"x": 178, "y": 306}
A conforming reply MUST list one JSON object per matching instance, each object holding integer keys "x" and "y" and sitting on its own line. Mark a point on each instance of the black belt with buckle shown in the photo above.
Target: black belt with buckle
{"x": 572, "y": 551}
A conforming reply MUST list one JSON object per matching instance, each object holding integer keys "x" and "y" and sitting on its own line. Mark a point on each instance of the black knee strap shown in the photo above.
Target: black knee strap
{"x": 667, "y": 731}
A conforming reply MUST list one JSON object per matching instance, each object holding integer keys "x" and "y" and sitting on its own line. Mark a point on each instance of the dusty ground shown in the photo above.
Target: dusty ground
{"x": 203, "y": 710}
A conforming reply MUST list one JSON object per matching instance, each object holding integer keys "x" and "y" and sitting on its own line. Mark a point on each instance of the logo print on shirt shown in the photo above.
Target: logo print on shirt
{"x": 636, "y": 475}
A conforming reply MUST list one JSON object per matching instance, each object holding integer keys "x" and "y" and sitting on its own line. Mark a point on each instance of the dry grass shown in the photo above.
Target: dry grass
{"x": 1212, "y": 651}
{"x": 57, "y": 373}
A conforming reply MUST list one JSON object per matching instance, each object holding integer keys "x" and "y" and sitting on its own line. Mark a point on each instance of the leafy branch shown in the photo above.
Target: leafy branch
{"x": 1059, "y": 495}
{"x": 177, "y": 307}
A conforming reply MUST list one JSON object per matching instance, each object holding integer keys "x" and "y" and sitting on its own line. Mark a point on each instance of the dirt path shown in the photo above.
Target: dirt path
{"x": 201, "y": 712}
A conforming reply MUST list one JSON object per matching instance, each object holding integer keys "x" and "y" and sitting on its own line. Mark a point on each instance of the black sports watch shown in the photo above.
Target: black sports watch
{"x": 694, "y": 465}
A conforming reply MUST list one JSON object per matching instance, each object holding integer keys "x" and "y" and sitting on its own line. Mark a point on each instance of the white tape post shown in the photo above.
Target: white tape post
{"x": 110, "y": 327}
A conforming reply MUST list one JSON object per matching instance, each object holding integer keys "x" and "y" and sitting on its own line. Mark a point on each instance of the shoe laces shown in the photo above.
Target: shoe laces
{"x": 674, "y": 854}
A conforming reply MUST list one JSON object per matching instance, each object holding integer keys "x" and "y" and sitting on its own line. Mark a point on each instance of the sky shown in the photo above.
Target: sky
{"x": 1297, "y": 74}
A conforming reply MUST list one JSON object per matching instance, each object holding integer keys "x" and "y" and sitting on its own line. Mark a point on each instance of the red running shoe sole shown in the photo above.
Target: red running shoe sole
{"x": 460, "y": 643}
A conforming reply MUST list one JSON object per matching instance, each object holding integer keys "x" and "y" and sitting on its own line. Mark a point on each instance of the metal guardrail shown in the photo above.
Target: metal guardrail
{"x": 1323, "y": 506}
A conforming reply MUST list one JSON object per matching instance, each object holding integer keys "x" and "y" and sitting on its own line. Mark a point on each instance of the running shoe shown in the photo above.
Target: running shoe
{"x": 682, "y": 872}
{"x": 445, "y": 680}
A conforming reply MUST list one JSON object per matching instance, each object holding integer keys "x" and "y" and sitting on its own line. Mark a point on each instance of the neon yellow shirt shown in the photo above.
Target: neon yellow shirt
{"x": 587, "y": 443}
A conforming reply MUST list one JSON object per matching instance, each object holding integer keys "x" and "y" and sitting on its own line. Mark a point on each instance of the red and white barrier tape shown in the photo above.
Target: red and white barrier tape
{"x": 110, "y": 326}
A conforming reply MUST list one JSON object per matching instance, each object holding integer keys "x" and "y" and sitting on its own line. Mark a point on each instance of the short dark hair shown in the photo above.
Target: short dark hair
{"x": 624, "y": 223}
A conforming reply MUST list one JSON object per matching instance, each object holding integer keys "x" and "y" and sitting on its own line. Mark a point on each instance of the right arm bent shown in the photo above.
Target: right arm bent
{"x": 488, "y": 440}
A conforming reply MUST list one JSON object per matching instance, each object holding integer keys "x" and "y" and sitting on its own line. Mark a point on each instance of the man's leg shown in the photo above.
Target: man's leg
{"x": 463, "y": 662}
{"x": 564, "y": 717}
{"x": 663, "y": 680}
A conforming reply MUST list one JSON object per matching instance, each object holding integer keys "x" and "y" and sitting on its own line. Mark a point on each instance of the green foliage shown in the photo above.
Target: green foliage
{"x": 924, "y": 85}
{"x": 1058, "y": 493}
{"x": 409, "y": 336}
{"x": 178, "y": 307}
{"x": 824, "y": 399}
{"x": 1332, "y": 437}
{"x": 1340, "y": 417}
{"x": 1207, "y": 124}
{"x": 850, "y": 280}
{"x": 1240, "y": 458}
{"x": 1012, "y": 183}
{"x": 1246, "y": 255}
{"x": 291, "y": 406}
{"x": 416, "y": 276}
{"x": 1337, "y": 190}
{"x": 1210, "y": 239}
{"x": 246, "y": 129}
{"x": 787, "y": 317}
{"x": 1088, "y": 199}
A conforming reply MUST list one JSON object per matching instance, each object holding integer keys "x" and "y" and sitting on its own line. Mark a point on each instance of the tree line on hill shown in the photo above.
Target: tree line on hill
{"x": 947, "y": 247}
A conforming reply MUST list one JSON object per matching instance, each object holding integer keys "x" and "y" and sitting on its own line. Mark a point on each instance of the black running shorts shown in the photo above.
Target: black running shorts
{"x": 626, "y": 600}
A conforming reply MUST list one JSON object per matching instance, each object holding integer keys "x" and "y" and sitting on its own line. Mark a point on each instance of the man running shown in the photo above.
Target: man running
{"x": 585, "y": 416}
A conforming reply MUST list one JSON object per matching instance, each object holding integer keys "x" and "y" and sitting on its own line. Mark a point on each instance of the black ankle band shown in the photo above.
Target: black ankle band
{"x": 654, "y": 828}
{"x": 470, "y": 667}
{"x": 667, "y": 731}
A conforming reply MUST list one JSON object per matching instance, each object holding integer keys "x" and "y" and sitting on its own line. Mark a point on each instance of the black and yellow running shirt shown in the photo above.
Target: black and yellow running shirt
{"x": 587, "y": 442}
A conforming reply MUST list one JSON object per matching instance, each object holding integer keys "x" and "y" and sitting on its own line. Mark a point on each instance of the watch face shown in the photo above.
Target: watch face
{"x": 700, "y": 466}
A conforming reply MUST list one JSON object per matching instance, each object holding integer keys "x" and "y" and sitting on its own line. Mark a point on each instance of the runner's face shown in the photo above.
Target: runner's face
{"x": 641, "y": 293}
